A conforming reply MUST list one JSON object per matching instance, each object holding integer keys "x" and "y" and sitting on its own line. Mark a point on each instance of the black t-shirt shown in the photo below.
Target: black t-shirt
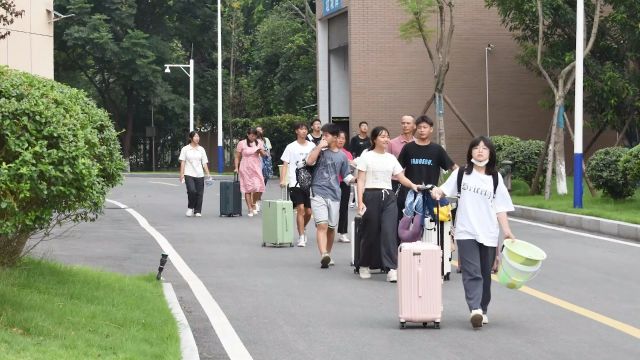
{"x": 422, "y": 163}
{"x": 357, "y": 145}
{"x": 313, "y": 139}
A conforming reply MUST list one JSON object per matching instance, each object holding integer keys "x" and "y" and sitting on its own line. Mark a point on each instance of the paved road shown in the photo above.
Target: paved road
{"x": 283, "y": 306}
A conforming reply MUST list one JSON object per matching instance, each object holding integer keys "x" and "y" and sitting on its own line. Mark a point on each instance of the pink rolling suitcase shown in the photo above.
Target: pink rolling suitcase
{"x": 420, "y": 283}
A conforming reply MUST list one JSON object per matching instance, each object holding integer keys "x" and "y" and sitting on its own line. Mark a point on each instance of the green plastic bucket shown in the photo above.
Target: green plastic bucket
{"x": 514, "y": 275}
{"x": 523, "y": 253}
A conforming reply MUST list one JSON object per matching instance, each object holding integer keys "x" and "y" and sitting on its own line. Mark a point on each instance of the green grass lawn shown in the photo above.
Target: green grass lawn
{"x": 600, "y": 206}
{"x": 51, "y": 311}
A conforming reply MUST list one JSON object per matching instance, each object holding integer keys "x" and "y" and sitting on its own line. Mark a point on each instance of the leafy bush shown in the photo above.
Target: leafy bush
{"x": 59, "y": 156}
{"x": 503, "y": 144}
{"x": 605, "y": 171}
{"x": 630, "y": 164}
{"x": 524, "y": 155}
{"x": 279, "y": 130}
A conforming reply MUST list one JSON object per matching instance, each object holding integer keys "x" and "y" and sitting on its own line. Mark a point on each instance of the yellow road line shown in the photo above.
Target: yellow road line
{"x": 618, "y": 325}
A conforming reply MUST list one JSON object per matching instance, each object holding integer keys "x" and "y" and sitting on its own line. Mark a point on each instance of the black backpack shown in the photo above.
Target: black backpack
{"x": 494, "y": 176}
{"x": 304, "y": 176}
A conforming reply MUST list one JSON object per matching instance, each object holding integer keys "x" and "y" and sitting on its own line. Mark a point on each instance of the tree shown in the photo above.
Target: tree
{"x": 416, "y": 27}
{"x": 613, "y": 72}
{"x": 119, "y": 50}
{"x": 8, "y": 13}
{"x": 556, "y": 36}
{"x": 59, "y": 157}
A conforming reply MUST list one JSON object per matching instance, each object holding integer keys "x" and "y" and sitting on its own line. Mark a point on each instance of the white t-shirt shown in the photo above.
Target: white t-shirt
{"x": 477, "y": 208}
{"x": 379, "y": 169}
{"x": 195, "y": 158}
{"x": 294, "y": 154}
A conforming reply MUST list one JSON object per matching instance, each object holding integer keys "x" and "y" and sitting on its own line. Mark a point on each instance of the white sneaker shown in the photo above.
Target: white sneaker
{"x": 258, "y": 203}
{"x": 343, "y": 238}
{"x": 392, "y": 276}
{"x": 476, "y": 318}
{"x": 302, "y": 241}
{"x": 364, "y": 272}
{"x": 255, "y": 212}
{"x": 331, "y": 263}
{"x": 189, "y": 212}
{"x": 198, "y": 215}
{"x": 250, "y": 213}
{"x": 485, "y": 319}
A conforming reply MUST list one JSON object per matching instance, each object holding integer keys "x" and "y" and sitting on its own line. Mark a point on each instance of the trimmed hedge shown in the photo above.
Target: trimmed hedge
{"x": 524, "y": 155}
{"x": 59, "y": 156}
{"x": 606, "y": 172}
{"x": 630, "y": 164}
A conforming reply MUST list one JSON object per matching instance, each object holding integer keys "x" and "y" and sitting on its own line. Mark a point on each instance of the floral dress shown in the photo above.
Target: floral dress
{"x": 250, "y": 169}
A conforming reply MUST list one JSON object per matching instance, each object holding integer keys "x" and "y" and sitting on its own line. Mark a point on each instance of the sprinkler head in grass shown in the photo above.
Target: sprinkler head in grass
{"x": 163, "y": 261}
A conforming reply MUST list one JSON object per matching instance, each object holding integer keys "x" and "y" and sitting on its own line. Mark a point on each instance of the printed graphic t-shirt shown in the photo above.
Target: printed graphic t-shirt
{"x": 477, "y": 207}
{"x": 422, "y": 163}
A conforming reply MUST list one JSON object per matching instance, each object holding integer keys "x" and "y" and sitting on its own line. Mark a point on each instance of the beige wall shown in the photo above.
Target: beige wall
{"x": 30, "y": 46}
{"x": 391, "y": 77}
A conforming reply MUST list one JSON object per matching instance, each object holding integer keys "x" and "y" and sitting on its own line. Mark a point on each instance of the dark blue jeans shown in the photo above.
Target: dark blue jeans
{"x": 195, "y": 192}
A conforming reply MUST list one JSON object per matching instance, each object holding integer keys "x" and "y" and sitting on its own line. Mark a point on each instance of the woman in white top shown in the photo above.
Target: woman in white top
{"x": 377, "y": 205}
{"x": 479, "y": 213}
{"x": 193, "y": 165}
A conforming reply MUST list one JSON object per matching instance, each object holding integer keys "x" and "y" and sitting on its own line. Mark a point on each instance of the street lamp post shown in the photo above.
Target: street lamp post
{"x": 577, "y": 143}
{"x": 220, "y": 148}
{"x": 486, "y": 75}
{"x": 167, "y": 69}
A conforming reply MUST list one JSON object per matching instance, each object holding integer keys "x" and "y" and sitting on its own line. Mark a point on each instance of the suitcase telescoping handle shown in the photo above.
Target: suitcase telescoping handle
{"x": 284, "y": 193}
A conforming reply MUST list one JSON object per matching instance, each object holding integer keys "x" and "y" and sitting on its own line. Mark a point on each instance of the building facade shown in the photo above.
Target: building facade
{"x": 366, "y": 72}
{"x": 29, "y": 47}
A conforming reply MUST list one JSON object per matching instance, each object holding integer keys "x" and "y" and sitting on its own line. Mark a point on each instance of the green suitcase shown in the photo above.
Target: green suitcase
{"x": 277, "y": 222}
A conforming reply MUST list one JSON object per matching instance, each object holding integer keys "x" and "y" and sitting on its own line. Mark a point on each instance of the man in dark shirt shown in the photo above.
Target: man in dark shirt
{"x": 422, "y": 159}
{"x": 361, "y": 141}
{"x": 315, "y": 135}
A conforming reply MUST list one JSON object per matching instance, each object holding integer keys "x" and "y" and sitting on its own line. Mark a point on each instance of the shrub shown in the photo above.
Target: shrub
{"x": 503, "y": 144}
{"x": 59, "y": 156}
{"x": 604, "y": 169}
{"x": 630, "y": 164}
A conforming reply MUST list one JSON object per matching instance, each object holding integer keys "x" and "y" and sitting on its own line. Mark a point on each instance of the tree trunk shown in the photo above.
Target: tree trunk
{"x": 11, "y": 248}
{"x": 535, "y": 183}
{"x": 440, "y": 119}
{"x": 624, "y": 130}
{"x": 427, "y": 105}
{"x": 550, "y": 153}
{"x": 457, "y": 114}
{"x": 128, "y": 134}
{"x": 561, "y": 169}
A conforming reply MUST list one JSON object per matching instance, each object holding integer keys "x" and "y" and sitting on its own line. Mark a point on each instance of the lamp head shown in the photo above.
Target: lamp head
{"x": 167, "y": 70}
{"x": 490, "y": 46}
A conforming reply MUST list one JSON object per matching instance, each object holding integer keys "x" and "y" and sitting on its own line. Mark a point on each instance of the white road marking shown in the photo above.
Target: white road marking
{"x": 551, "y": 227}
{"x": 188, "y": 346}
{"x": 163, "y": 183}
{"x": 228, "y": 337}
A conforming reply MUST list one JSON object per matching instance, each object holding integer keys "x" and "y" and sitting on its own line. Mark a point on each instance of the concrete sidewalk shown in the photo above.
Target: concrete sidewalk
{"x": 616, "y": 229}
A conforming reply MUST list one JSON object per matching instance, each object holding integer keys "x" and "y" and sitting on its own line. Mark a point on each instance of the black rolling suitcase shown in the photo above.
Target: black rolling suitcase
{"x": 230, "y": 197}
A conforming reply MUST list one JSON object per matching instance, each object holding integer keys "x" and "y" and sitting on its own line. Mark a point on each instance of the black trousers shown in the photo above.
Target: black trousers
{"x": 343, "y": 222}
{"x": 379, "y": 229}
{"x": 195, "y": 192}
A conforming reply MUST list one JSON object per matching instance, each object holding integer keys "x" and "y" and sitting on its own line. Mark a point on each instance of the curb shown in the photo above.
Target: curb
{"x": 188, "y": 346}
{"x": 617, "y": 229}
{"x": 161, "y": 175}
